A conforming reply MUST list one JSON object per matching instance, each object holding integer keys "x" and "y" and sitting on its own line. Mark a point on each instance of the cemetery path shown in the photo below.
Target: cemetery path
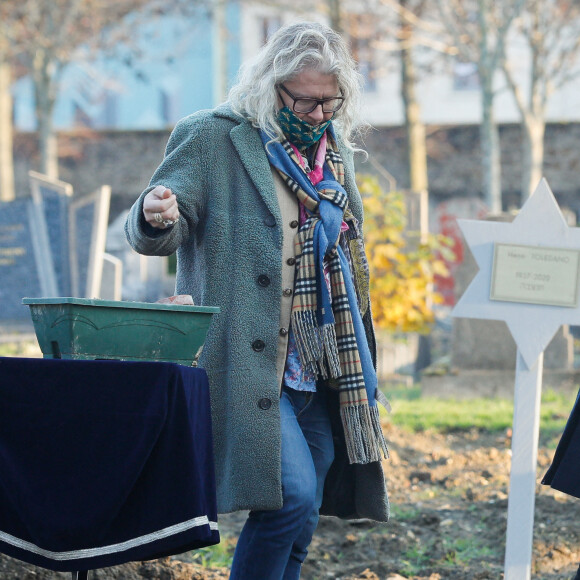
{"x": 449, "y": 507}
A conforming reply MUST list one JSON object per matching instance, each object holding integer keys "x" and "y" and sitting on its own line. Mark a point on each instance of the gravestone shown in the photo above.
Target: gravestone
{"x": 54, "y": 196}
{"x": 25, "y": 259}
{"x": 112, "y": 278}
{"x": 50, "y": 245}
{"x": 529, "y": 277}
{"x": 88, "y": 219}
{"x": 482, "y": 351}
{"x": 488, "y": 344}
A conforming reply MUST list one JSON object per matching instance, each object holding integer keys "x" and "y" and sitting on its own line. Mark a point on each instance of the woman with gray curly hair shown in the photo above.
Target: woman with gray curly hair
{"x": 291, "y": 51}
{"x": 258, "y": 198}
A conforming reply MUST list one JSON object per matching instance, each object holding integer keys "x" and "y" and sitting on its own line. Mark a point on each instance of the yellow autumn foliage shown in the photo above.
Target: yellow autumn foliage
{"x": 402, "y": 266}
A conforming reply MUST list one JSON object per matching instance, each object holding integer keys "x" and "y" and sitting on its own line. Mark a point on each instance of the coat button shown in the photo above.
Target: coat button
{"x": 294, "y": 224}
{"x": 283, "y": 331}
{"x": 291, "y": 261}
{"x": 258, "y": 345}
{"x": 270, "y": 221}
{"x": 263, "y": 280}
{"x": 264, "y": 403}
{"x": 287, "y": 292}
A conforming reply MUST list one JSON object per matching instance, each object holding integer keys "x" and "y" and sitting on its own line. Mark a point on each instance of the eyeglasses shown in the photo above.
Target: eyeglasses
{"x": 308, "y": 104}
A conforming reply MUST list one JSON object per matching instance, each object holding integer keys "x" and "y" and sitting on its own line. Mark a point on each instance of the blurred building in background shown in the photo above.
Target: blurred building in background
{"x": 176, "y": 65}
{"x": 165, "y": 72}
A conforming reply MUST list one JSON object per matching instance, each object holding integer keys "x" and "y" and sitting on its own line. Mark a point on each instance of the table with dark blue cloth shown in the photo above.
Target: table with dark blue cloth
{"x": 104, "y": 462}
{"x": 564, "y": 472}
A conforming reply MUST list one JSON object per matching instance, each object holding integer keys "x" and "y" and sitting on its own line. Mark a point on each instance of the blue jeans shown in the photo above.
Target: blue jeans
{"x": 274, "y": 543}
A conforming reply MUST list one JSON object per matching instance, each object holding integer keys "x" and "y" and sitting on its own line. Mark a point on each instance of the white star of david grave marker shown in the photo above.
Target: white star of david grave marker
{"x": 528, "y": 277}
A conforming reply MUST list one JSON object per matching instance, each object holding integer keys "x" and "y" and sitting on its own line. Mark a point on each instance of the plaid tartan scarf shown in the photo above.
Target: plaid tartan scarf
{"x": 328, "y": 326}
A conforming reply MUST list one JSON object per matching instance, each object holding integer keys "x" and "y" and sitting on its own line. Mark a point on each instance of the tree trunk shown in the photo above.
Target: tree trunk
{"x": 533, "y": 154}
{"x": 416, "y": 149}
{"x": 334, "y": 15}
{"x": 44, "y": 91}
{"x": 490, "y": 150}
{"x": 220, "y": 51}
{"x": 6, "y": 133}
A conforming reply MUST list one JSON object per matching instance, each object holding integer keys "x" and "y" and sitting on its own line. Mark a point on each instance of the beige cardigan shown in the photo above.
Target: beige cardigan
{"x": 290, "y": 216}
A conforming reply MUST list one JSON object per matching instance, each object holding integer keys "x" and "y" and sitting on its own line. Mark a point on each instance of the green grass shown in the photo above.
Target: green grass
{"x": 405, "y": 513}
{"x": 27, "y": 348}
{"x": 218, "y": 556}
{"x": 461, "y": 551}
{"x": 458, "y": 553}
{"x": 415, "y": 559}
{"x": 415, "y": 413}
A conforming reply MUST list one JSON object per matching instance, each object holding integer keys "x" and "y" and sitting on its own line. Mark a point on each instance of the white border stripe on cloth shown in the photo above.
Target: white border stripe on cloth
{"x": 93, "y": 552}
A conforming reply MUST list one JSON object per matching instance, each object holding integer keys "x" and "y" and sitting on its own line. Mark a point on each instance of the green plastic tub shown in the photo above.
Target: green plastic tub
{"x": 89, "y": 329}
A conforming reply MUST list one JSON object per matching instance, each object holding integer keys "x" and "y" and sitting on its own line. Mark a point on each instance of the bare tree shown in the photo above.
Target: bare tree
{"x": 551, "y": 31}
{"x": 479, "y": 29}
{"x": 9, "y": 15}
{"x": 334, "y": 9}
{"x": 48, "y": 36}
{"x": 6, "y": 130}
{"x": 415, "y": 129}
{"x": 410, "y": 34}
{"x": 51, "y": 32}
{"x": 414, "y": 30}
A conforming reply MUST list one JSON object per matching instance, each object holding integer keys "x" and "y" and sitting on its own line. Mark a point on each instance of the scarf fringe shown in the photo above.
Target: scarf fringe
{"x": 307, "y": 339}
{"x": 331, "y": 350}
{"x": 365, "y": 442}
{"x": 316, "y": 345}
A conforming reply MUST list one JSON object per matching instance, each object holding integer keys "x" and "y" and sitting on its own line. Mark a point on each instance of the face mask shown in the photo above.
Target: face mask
{"x": 297, "y": 131}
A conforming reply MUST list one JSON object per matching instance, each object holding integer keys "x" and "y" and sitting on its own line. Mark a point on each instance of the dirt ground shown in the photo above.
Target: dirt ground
{"x": 449, "y": 511}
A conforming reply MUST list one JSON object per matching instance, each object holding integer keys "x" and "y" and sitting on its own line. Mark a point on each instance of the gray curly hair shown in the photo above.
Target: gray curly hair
{"x": 288, "y": 52}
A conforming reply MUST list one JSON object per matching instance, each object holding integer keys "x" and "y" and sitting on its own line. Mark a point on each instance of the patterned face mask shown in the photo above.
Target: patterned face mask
{"x": 299, "y": 132}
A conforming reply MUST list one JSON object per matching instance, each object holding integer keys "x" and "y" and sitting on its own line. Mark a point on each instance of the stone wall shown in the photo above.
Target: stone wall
{"x": 454, "y": 161}
{"x": 125, "y": 160}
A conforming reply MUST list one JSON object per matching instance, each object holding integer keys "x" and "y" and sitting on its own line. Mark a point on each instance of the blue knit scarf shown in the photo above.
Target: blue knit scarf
{"x": 328, "y": 326}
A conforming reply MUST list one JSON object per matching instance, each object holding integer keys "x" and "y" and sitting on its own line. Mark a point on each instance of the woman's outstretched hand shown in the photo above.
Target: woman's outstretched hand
{"x": 160, "y": 207}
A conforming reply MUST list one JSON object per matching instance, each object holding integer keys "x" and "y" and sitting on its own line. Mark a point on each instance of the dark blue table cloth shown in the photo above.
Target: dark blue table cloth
{"x": 564, "y": 472}
{"x": 104, "y": 462}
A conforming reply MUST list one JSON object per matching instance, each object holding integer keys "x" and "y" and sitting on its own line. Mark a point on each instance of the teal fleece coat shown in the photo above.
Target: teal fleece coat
{"x": 229, "y": 234}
